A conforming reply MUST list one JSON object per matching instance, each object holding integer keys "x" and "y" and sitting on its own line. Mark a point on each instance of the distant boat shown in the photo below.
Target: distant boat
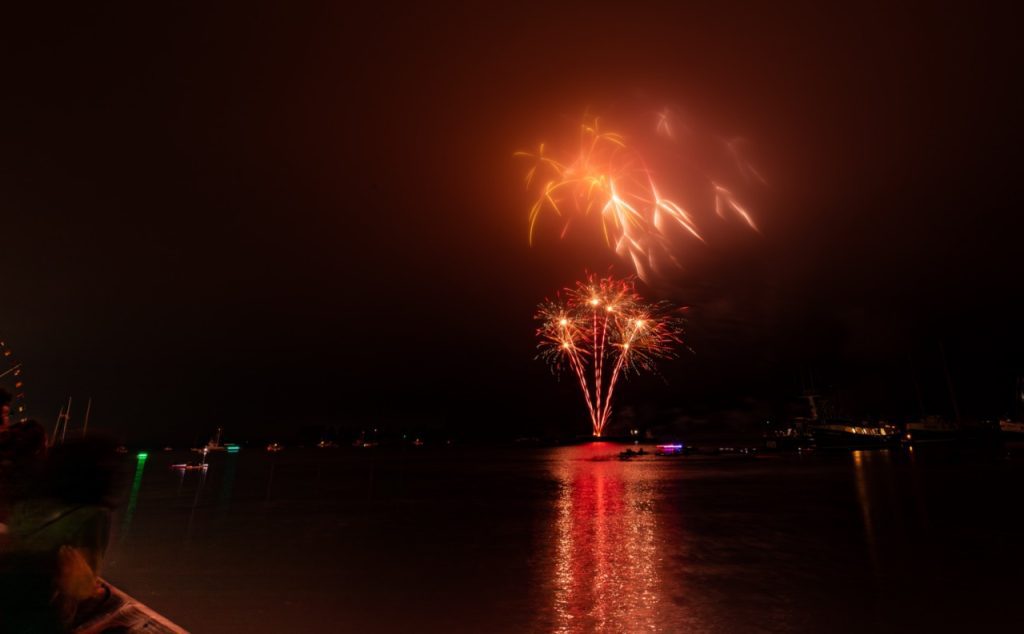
{"x": 327, "y": 444}
{"x": 794, "y": 436}
{"x": 1011, "y": 430}
{"x": 669, "y": 450}
{"x": 213, "y": 444}
{"x": 932, "y": 429}
{"x": 629, "y": 453}
{"x": 838, "y": 433}
{"x": 366, "y": 440}
{"x": 275, "y": 447}
{"x": 841, "y": 434}
{"x": 190, "y": 467}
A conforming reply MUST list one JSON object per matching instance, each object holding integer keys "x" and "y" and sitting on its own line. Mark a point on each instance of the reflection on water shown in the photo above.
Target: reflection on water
{"x": 571, "y": 539}
{"x": 195, "y": 505}
{"x": 270, "y": 479}
{"x": 878, "y": 499}
{"x": 606, "y": 564}
{"x": 919, "y": 493}
{"x": 864, "y": 501}
{"x": 227, "y": 484}
{"x": 133, "y": 497}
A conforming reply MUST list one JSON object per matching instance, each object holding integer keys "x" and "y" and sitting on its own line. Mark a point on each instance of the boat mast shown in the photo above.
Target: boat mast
{"x": 88, "y": 406}
{"x": 67, "y": 417}
{"x": 56, "y": 425}
{"x": 812, "y": 401}
{"x": 808, "y": 383}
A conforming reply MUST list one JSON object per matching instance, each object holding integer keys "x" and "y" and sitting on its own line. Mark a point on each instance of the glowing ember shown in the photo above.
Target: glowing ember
{"x": 576, "y": 333}
{"x": 610, "y": 179}
{"x": 12, "y": 379}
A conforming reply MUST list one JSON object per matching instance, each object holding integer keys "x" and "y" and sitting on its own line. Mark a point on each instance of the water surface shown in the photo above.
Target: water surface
{"x": 572, "y": 539}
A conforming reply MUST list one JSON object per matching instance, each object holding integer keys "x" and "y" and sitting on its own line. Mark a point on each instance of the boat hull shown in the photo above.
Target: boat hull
{"x": 123, "y": 613}
{"x": 837, "y": 439}
{"x": 1009, "y": 430}
{"x": 930, "y": 436}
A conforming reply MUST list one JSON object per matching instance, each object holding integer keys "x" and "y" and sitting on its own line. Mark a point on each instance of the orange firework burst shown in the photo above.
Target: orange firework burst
{"x": 600, "y": 329}
{"x": 610, "y": 179}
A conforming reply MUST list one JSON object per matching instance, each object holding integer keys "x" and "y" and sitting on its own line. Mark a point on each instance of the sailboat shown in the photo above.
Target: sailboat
{"x": 936, "y": 429}
{"x": 932, "y": 429}
{"x": 839, "y": 433}
{"x": 214, "y": 444}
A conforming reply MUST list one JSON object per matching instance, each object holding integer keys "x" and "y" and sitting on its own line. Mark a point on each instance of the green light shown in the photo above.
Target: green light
{"x": 143, "y": 455}
{"x": 232, "y": 448}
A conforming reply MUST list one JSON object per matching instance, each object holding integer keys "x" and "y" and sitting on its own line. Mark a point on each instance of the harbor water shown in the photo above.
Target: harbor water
{"x": 572, "y": 539}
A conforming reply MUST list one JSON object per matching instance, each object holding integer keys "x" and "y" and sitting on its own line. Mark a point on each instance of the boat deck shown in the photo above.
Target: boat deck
{"x": 124, "y": 614}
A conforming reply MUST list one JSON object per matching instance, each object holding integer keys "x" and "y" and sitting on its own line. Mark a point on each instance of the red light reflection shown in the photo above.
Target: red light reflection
{"x": 606, "y": 565}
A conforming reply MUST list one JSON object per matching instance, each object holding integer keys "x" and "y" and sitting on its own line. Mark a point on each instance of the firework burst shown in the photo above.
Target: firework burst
{"x": 608, "y": 178}
{"x": 600, "y": 330}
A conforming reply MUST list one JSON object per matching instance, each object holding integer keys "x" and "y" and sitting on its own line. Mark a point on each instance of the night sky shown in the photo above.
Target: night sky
{"x": 273, "y": 217}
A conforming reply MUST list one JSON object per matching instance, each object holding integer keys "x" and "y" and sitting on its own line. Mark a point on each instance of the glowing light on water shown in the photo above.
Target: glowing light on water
{"x": 606, "y": 573}
{"x": 133, "y": 497}
{"x": 599, "y": 345}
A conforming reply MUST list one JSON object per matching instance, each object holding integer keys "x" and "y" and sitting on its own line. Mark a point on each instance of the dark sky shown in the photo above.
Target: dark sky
{"x": 307, "y": 213}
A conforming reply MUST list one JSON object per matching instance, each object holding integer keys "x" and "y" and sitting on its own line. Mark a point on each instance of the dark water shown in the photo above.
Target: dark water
{"x": 573, "y": 540}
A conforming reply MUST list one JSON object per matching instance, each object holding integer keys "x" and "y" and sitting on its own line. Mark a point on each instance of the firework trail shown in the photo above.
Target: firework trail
{"x": 608, "y": 177}
{"x": 601, "y": 329}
